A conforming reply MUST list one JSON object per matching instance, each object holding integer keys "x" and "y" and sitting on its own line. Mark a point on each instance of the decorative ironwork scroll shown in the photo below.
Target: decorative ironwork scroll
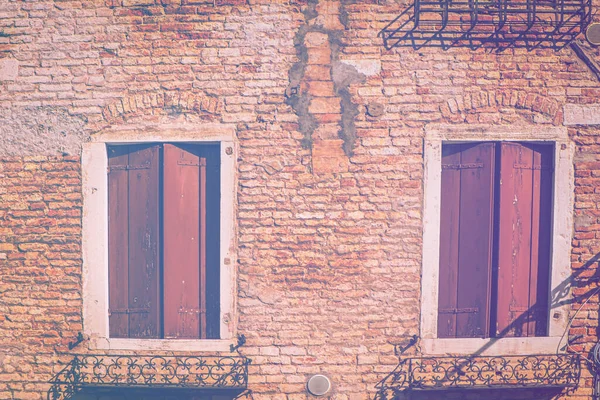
{"x": 498, "y": 24}
{"x": 560, "y": 371}
{"x": 157, "y": 372}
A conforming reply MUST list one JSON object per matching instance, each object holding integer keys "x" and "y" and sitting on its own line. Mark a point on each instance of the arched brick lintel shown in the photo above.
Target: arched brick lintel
{"x": 489, "y": 101}
{"x": 160, "y": 103}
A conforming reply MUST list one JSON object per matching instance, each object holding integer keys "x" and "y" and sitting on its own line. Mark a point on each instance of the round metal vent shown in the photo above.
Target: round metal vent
{"x": 318, "y": 385}
{"x": 592, "y": 34}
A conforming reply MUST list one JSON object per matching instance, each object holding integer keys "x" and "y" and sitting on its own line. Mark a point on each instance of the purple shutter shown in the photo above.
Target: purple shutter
{"x": 118, "y": 242}
{"x": 465, "y": 240}
{"x": 133, "y": 203}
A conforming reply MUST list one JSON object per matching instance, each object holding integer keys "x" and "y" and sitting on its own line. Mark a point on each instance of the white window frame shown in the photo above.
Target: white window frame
{"x": 95, "y": 234}
{"x": 562, "y": 226}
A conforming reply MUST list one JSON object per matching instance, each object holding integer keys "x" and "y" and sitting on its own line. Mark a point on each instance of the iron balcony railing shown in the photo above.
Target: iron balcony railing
{"x": 447, "y": 372}
{"x": 88, "y": 372}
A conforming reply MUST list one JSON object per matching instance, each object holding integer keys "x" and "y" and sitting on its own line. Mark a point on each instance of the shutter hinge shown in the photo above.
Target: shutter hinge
{"x": 145, "y": 165}
{"x": 458, "y": 310}
{"x": 200, "y": 163}
{"x": 517, "y": 309}
{"x": 462, "y": 166}
{"x": 532, "y": 309}
{"x": 128, "y": 311}
{"x": 534, "y": 167}
{"x": 191, "y": 310}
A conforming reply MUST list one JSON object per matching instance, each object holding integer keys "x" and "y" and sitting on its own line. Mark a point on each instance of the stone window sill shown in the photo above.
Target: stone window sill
{"x": 217, "y": 345}
{"x": 490, "y": 347}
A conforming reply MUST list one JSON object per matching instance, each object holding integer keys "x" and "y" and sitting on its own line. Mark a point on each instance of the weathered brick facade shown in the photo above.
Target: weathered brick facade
{"x": 330, "y": 168}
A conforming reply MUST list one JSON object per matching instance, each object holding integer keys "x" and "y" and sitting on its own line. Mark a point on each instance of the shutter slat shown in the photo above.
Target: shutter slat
{"x": 532, "y": 311}
{"x": 522, "y": 201}
{"x": 540, "y": 239}
{"x": 184, "y": 242}
{"x": 118, "y": 239}
{"x": 465, "y": 240}
{"x": 449, "y": 229}
{"x": 514, "y": 248}
{"x": 475, "y": 240}
{"x": 202, "y": 235}
{"x": 143, "y": 242}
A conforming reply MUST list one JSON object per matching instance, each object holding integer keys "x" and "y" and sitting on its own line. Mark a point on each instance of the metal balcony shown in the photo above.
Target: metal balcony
{"x": 106, "y": 373}
{"x": 494, "y": 24}
{"x": 483, "y": 372}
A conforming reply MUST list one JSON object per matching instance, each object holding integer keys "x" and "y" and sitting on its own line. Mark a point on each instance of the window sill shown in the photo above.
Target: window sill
{"x": 490, "y": 347}
{"x": 161, "y": 344}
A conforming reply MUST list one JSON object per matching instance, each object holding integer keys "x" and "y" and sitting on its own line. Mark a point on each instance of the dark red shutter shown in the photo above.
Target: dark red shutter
{"x": 525, "y": 200}
{"x": 184, "y": 242}
{"x": 465, "y": 240}
{"x": 133, "y": 204}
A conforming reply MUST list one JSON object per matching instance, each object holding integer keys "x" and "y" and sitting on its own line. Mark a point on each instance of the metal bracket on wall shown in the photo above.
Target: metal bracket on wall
{"x": 400, "y": 349}
{"x": 80, "y": 338}
{"x": 241, "y": 340}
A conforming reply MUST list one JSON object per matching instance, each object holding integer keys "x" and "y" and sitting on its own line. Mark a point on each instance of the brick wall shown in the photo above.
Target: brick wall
{"x": 40, "y": 266}
{"x": 330, "y": 129}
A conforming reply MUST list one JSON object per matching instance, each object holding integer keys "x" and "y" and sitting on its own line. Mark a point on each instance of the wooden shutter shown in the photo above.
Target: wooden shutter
{"x": 133, "y": 235}
{"x": 465, "y": 240}
{"x": 184, "y": 242}
{"x": 525, "y": 200}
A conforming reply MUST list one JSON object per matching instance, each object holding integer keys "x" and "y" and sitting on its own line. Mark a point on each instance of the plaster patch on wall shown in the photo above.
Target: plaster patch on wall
{"x": 583, "y": 221}
{"x": 365, "y": 67}
{"x": 9, "y": 69}
{"x": 581, "y": 114}
{"x": 40, "y": 131}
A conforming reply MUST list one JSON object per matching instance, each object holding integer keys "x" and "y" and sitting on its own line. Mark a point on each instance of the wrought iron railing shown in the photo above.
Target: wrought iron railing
{"x": 156, "y": 372}
{"x": 422, "y": 373}
{"x": 488, "y": 23}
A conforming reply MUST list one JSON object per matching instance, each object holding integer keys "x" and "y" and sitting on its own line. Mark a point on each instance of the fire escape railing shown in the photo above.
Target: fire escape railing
{"x": 90, "y": 372}
{"x": 497, "y": 24}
